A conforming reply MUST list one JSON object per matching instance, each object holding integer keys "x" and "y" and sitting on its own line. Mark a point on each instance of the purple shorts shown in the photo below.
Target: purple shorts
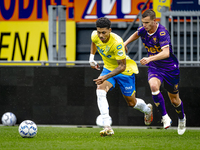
{"x": 170, "y": 79}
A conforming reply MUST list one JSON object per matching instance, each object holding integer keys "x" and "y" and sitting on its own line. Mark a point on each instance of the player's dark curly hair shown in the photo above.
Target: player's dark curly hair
{"x": 103, "y": 22}
{"x": 150, "y": 13}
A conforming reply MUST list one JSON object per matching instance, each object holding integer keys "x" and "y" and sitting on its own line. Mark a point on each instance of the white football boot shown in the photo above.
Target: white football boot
{"x": 148, "y": 118}
{"x": 166, "y": 120}
{"x": 182, "y": 125}
{"x": 107, "y": 131}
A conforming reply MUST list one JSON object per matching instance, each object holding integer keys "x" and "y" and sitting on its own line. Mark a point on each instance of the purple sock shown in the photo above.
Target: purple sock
{"x": 180, "y": 111}
{"x": 160, "y": 103}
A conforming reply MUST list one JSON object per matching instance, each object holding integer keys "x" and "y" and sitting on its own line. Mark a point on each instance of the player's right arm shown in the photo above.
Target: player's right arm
{"x": 121, "y": 67}
{"x": 132, "y": 38}
{"x": 92, "y": 62}
{"x": 93, "y": 48}
{"x": 165, "y": 53}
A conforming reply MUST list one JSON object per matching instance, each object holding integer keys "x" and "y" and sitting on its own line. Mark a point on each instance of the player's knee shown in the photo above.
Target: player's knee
{"x": 154, "y": 87}
{"x": 103, "y": 87}
{"x": 130, "y": 104}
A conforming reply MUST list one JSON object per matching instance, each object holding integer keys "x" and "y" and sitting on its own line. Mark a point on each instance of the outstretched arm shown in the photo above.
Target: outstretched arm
{"x": 132, "y": 38}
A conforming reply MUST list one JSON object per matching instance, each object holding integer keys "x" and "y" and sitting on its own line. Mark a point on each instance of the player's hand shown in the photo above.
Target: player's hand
{"x": 144, "y": 61}
{"x": 93, "y": 63}
{"x": 99, "y": 80}
{"x": 97, "y": 67}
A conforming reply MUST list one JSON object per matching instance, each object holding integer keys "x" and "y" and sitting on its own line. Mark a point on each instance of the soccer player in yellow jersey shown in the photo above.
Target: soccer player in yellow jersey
{"x": 118, "y": 67}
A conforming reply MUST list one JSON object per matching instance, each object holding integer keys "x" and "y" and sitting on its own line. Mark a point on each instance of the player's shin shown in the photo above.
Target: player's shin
{"x": 103, "y": 106}
{"x": 159, "y": 102}
{"x": 179, "y": 110}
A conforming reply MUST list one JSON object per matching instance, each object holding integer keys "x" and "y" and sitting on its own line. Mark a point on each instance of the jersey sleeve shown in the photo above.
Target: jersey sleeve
{"x": 94, "y": 36}
{"x": 164, "y": 38}
{"x": 141, "y": 30}
{"x": 119, "y": 51}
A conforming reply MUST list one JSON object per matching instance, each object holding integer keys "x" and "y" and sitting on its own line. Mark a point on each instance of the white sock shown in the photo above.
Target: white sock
{"x": 165, "y": 116}
{"x": 142, "y": 106}
{"x": 103, "y": 106}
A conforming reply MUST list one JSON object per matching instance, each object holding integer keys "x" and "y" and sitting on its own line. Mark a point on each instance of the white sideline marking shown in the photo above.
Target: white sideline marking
{"x": 125, "y": 127}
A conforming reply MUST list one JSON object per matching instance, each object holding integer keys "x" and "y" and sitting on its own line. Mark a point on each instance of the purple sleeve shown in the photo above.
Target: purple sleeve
{"x": 164, "y": 38}
{"x": 141, "y": 30}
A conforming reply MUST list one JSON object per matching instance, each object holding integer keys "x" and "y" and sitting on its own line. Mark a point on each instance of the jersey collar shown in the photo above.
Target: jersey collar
{"x": 155, "y": 31}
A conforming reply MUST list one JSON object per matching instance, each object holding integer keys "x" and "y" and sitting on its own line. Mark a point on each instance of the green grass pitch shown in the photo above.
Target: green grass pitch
{"x": 65, "y": 138}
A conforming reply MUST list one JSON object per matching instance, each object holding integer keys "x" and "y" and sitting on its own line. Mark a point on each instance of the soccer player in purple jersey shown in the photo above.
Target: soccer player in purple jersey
{"x": 162, "y": 65}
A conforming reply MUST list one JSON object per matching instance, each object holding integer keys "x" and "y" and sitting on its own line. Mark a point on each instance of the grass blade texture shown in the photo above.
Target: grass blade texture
{"x": 57, "y": 138}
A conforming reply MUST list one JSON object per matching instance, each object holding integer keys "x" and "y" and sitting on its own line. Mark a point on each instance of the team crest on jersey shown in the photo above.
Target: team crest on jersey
{"x": 162, "y": 33}
{"x": 176, "y": 88}
{"x": 155, "y": 40}
{"x": 107, "y": 48}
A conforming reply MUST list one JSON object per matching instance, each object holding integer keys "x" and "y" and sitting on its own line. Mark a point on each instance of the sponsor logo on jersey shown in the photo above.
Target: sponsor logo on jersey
{"x": 102, "y": 52}
{"x": 128, "y": 88}
{"x": 164, "y": 42}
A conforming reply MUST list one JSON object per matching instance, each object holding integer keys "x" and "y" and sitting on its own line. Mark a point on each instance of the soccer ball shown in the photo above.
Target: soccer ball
{"x": 27, "y": 129}
{"x": 100, "y": 122}
{"x": 8, "y": 119}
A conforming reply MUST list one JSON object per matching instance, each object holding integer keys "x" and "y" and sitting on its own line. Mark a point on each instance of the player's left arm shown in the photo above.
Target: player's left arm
{"x": 121, "y": 67}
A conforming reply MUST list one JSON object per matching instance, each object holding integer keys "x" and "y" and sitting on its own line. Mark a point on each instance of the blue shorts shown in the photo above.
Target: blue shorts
{"x": 170, "y": 79}
{"x": 126, "y": 83}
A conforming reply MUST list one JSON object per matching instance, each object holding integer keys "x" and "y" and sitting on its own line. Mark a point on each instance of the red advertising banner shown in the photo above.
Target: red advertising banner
{"x": 116, "y": 10}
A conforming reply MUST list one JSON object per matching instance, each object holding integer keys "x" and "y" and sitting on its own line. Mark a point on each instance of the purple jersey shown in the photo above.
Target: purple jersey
{"x": 153, "y": 44}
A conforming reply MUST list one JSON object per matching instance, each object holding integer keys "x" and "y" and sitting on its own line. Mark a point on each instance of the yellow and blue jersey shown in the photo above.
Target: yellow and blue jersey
{"x": 112, "y": 51}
